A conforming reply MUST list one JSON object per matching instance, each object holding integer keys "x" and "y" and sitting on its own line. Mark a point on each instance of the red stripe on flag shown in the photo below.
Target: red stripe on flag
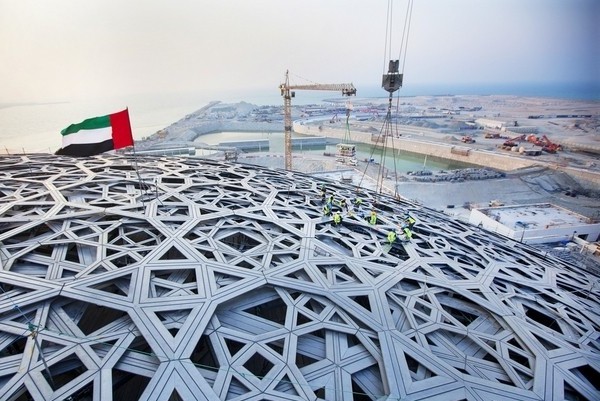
{"x": 121, "y": 129}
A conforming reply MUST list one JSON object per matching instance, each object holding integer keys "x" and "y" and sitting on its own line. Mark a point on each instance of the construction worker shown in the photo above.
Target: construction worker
{"x": 337, "y": 218}
{"x": 344, "y": 204}
{"x": 357, "y": 207}
{"x": 392, "y": 236}
{"x": 407, "y": 233}
{"x": 373, "y": 218}
{"x": 327, "y": 209}
{"x": 410, "y": 221}
{"x": 330, "y": 199}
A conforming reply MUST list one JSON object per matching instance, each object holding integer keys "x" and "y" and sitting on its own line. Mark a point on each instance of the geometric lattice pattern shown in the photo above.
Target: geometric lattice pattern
{"x": 193, "y": 279}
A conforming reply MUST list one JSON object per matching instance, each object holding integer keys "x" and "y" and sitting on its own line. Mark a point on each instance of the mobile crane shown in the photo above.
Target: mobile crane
{"x": 549, "y": 146}
{"x": 288, "y": 93}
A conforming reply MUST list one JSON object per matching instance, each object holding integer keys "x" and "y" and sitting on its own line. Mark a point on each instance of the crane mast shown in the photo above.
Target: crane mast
{"x": 287, "y": 94}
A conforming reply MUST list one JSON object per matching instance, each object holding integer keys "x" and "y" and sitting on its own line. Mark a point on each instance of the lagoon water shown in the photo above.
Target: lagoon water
{"x": 401, "y": 162}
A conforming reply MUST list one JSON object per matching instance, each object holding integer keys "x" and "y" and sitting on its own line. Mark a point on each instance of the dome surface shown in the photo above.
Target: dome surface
{"x": 184, "y": 278}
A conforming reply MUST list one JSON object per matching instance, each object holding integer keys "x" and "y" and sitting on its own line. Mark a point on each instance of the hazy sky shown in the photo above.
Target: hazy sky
{"x": 72, "y": 49}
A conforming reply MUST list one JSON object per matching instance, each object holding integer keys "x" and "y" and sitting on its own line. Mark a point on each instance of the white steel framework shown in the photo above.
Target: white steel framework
{"x": 200, "y": 280}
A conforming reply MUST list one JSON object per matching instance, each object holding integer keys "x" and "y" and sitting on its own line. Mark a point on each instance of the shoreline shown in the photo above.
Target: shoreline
{"x": 433, "y": 126}
{"x": 425, "y": 141}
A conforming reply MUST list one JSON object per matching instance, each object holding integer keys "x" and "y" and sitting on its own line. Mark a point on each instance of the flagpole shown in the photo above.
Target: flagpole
{"x": 141, "y": 182}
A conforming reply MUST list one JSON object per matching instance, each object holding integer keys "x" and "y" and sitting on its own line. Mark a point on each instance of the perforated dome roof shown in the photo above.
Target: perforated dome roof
{"x": 202, "y": 280}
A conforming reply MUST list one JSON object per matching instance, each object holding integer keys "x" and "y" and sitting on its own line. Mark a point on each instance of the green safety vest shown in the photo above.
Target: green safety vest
{"x": 337, "y": 218}
{"x": 391, "y": 236}
{"x": 373, "y": 219}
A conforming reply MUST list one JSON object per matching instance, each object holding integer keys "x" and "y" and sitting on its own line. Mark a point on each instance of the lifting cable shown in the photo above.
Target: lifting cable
{"x": 391, "y": 82}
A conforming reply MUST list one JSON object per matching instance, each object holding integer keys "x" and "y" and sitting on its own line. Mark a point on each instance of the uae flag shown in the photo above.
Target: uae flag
{"x": 97, "y": 135}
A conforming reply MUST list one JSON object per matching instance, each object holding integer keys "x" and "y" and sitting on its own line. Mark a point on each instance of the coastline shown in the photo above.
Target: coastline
{"x": 433, "y": 127}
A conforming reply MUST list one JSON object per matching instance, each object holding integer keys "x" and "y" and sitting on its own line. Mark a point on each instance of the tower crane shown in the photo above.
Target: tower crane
{"x": 288, "y": 94}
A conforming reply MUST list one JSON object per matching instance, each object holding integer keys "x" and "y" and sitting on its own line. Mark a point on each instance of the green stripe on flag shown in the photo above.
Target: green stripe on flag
{"x": 89, "y": 124}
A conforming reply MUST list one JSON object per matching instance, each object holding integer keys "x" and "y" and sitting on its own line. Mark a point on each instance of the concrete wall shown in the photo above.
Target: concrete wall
{"x": 247, "y": 144}
{"x": 539, "y": 236}
{"x": 478, "y": 218}
{"x": 588, "y": 177}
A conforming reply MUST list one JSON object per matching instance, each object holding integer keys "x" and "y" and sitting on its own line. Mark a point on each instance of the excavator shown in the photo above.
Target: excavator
{"x": 532, "y": 138}
{"x": 546, "y": 144}
{"x": 507, "y": 145}
{"x": 549, "y": 146}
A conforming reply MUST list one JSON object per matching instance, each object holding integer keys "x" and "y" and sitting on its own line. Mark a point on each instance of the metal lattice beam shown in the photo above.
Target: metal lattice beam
{"x": 208, "y": 280}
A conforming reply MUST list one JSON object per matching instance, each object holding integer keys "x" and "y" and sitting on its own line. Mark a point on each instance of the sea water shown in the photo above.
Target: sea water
{"x": 36, "y": 127}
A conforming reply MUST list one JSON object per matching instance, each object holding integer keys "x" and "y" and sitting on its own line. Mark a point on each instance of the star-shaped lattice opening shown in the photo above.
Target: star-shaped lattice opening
{"x": 190, "y": 276}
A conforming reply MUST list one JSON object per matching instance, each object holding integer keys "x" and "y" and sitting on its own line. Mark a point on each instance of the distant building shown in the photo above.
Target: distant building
{"x": 486, "y": 123}
{"x": 525, "y": 129}
{"x": 539, "y": 223}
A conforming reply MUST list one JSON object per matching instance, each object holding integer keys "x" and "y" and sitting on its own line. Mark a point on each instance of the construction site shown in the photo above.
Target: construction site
{"x": 241, "y": 275}
{"x": 183, "y": 269}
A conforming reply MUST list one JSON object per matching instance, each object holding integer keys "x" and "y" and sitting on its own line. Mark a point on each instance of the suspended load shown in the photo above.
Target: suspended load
{"x": 346, "y": 154}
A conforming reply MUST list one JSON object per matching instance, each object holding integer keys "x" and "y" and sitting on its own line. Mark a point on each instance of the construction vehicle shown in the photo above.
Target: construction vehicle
{"x": 549, "y": 146}
{"x": 512, "y": 142}
{"x": 546, "y": 144}
{"x": 467, "y": 139}
{"x": 531, "y": 138}
{"x": 492, "y": 135}
{"x": 288, "y": 94}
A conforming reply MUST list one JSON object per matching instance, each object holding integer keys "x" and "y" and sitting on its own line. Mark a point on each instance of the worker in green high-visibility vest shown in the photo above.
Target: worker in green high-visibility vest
{"x": 391, "y": 237}
{"x": 409, "y": 220}
{"x": 373, "y": 218}
{"x": 407, "y": 233}
{"x": 337, "y": 218}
